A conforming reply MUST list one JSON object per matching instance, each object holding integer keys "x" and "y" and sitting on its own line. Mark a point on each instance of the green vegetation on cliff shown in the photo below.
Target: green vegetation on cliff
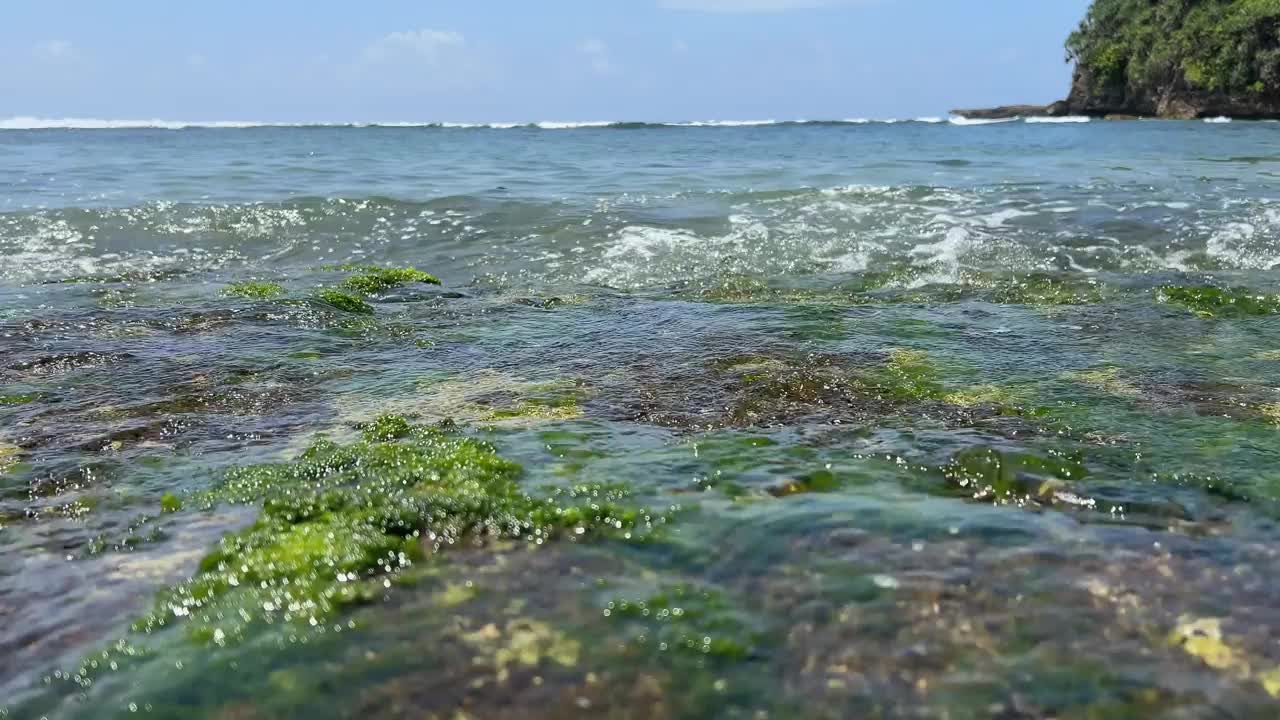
{"x": 1144, "y": 46}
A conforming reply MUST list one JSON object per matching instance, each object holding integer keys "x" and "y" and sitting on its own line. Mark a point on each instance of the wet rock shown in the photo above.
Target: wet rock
{"x": 68, "y": 362}
{"x": 1005, "y": 112}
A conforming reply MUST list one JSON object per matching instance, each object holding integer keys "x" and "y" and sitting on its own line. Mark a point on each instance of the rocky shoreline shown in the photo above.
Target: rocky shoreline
{"x": 1175, "y": 102}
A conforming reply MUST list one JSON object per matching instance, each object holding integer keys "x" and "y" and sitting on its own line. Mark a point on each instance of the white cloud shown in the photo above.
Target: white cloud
{"x": 746, "y": 6}
{"x": 596, "y": 54}
{"x": 423, "y": 46}
{"x": 417, "y": 60}
{"x": 56, "y": 51}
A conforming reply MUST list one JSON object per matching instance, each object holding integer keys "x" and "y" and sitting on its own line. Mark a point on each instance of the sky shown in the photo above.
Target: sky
{"x": 528, "y": 60}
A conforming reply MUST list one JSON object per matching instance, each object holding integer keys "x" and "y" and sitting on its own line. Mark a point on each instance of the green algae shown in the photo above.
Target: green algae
{"x": 770, "y": 390}
{"x": 982, "y": 395}
{"x": 338, "y": 525}
{"x": 253, "y": 290}
{"x": 375, "y": 279}
{"x": 1108, "y": 380}
{"x": 907, "y": 376}
{"x": 170, "y": 503}
{"x": 1043, "y": 289}
{"x": 140, "y": 530}
{"x": 344, "y": 301}
{"x": 555, "y": 409}
{"x": 22, "y": 399}
{"x": 818, "y": 481}
{"x": 1007, "y": 477}
{"x": 683, "y": 619}
{"x": 9, "y": 455}
{"x": 1210, "y": 301}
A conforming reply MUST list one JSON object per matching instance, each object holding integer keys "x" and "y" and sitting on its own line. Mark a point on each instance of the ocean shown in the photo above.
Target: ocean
{"x": 928, "y": 418}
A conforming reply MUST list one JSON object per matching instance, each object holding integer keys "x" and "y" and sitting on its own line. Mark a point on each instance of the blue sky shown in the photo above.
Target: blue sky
{"x": 528, "y": 60}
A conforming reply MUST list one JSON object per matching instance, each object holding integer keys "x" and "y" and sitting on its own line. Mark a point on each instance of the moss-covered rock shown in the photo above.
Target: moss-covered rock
{"x": 683, "y": 619}
{"x": 9, "y": 455}
{"x": 341, "y": 521}
{"x": 1003, "y": 477}
{"x": 16, "y": 399}
{"x": 254, "y": 290}
{"x": 1209, "y": 301}
{"x": 565, "y": 409}
{"x": 1108, "y": 380}
{"x": 908, "y": 375}
{"x": 345, "y": 301}
{"x": 170, "y": 503}
{"x": 1044, "y": 289}
{"x": 374, "y": 280}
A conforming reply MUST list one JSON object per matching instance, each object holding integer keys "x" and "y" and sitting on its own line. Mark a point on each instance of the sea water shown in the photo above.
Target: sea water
{"x": 920, "y": 418}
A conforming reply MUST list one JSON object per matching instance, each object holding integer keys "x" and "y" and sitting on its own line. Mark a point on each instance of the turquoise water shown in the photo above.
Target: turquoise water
{"x": 833, "y": 420}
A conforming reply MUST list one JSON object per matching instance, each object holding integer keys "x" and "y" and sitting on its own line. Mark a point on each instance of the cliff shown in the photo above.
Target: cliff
{"x": 1177, "y": 58}
{"x": 1174, "y": 59}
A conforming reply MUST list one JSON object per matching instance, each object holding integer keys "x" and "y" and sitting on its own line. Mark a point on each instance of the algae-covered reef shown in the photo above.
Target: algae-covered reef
{"x": 341, "y": 518}
{"x": 350, "y": 494}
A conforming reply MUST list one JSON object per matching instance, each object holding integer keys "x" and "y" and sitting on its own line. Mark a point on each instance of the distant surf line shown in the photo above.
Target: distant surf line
{"x": 39, "y": 123}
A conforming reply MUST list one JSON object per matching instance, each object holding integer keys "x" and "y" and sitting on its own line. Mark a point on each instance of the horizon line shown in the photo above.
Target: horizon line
{"x": 31, "y": 122}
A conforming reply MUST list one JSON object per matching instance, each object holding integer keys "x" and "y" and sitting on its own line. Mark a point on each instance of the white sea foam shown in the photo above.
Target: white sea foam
{"x": 1251, "y": 242}
{"x": 1063, "y": 119}
{"x": 723, "y": 123}
{"x": 72, "y": 123}
{"x": 555, "y": 125}
{"x": 1217, "y": 120}
{"x": 36, "y": 123}
{"x": 958, "y": 120}
{"x": 1000, "y": 217}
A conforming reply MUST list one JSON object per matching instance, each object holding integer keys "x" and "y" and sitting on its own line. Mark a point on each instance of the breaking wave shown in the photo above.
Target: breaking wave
{"x": 621, "y": 242}
{"x": 38, "y": 123}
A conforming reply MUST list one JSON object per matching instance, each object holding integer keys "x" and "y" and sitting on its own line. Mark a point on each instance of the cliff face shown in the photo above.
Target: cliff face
{"x": 1177, "y": 59}
{"x": 1173, "y": 101}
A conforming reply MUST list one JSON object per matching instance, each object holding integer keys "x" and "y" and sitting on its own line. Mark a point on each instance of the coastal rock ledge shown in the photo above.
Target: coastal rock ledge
{"x": 1174, "y": 59}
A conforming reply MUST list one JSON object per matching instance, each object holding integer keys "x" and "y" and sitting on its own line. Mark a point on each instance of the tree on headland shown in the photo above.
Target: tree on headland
{"x": 1135, "y": 53}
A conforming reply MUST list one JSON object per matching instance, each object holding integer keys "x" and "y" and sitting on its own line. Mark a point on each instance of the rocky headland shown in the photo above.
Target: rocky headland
{"x": 1174, "y": 59}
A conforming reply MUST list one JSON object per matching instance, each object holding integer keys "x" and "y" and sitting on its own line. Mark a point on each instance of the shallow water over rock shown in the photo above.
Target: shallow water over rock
{"x": 994, "y": 439}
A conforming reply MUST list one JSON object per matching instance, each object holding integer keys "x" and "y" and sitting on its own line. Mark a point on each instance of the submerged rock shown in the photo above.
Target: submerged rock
{"x": 8, "y": 457}
{"x": 341, "y": 520}
{"x": 1210, "y": 301}
{"x": 254, "y": 290}
{"x": 345, "y": 301}
{"x": 376, "y": 279}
